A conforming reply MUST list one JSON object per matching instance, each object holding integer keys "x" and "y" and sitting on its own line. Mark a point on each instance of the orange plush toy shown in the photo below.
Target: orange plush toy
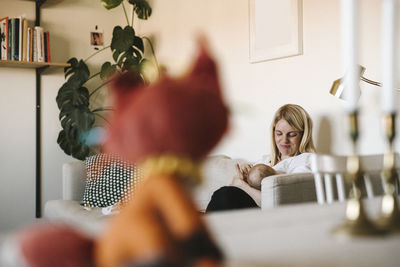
{"x": 167, "y": 128}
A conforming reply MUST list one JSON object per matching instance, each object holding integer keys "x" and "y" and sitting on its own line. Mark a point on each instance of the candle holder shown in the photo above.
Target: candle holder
{"x": 390, "y": 214}
{"x": 357, "y": 223}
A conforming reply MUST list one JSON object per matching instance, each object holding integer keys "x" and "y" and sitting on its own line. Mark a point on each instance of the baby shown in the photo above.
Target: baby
{"x": 257, "y": 173}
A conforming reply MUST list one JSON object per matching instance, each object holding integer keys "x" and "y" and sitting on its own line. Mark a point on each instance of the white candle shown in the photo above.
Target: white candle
{"x": 389, "y": 55}
{"x": 350, "y": 52}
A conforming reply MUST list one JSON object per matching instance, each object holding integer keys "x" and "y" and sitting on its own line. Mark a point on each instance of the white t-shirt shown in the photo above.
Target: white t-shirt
{"x": 296, "y": 164}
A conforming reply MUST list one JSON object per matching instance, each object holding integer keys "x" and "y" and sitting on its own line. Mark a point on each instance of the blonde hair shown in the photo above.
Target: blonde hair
{"x": 299, "y": 119}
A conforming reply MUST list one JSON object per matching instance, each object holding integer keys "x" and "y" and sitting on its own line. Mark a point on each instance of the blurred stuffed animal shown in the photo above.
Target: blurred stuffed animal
{"x": 47, "y": 244}
{"x": 168, "y": 128}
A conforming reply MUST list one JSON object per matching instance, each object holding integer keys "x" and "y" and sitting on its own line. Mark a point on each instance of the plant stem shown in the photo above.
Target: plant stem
{"x": 97, "y": 114}
{"x": 154, "y": 54}
{"x": 95, "y": 53}
{"x": 102, "y": 109}
{"x": 126, "y": 15}
{"x": 95, "y": 90}
{"x": 94, "y": 75}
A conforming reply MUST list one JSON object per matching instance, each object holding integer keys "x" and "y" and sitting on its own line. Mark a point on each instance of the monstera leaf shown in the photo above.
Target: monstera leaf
{"x": 72, "y": 147}
{"x": 78, "y": 71}
{"x": 75, "y": 115}
{"x": 146, "y": 68}
{"x": 107, "y": 70}
{"x": 122, "y": 39}
{"x": 75, "y": 121}
{"x": 110, "y": 4}
{"x": 138, "y": 43}
{"x": 141, "y": 8}
{"x": 73, "y": 98}
{"x": 72, "y": 91}
{"x": 127, "y": 48}
{"x": 129, "y": 60}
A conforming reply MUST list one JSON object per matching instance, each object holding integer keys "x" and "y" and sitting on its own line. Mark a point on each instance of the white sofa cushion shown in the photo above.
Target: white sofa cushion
{"x": 217, "y": 171}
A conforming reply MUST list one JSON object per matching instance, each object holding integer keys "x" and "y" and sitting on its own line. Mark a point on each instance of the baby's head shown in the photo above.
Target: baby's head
{"x": 257, "y": 173}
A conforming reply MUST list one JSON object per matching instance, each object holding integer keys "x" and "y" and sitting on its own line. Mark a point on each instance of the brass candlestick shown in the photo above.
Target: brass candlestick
{"x": 390, "y": 214}
{"x": 357, "y": 222}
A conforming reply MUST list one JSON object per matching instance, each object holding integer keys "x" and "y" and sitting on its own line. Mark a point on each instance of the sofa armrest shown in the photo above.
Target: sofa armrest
{"x": 291, "y": 188}
{"x": 74, "y": 179}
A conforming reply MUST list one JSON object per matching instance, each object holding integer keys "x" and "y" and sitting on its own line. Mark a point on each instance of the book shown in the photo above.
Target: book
{"x": 9, "y": 40}
{"x": 45, "y": 46}
{"x": 24, "y": 39}
{"x": 35, "y": 45}
{"x": 4, "y": 38}
{"x": 39, "y": 43}
{"x": 31, "y": 34}
{"x": 19, "y": 43}
{"x": 42, "y": 44}
{"x": 1, "y": 41}
{"x": 13, "y": 34}
{"x": 48, "y": 47}
{"x": 28, "y": 40}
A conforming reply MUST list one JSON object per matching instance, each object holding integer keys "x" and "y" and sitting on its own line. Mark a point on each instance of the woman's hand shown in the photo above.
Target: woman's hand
{"x": 240, "y": 181}
{"x": 242, "y": 172}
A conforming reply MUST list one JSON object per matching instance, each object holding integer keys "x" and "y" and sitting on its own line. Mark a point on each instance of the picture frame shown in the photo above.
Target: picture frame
{"x": 275, "y": 29}
{"x": 96, "y": 38}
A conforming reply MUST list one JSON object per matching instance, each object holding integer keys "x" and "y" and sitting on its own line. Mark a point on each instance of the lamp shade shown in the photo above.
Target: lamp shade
{"x": 337, "y": 87}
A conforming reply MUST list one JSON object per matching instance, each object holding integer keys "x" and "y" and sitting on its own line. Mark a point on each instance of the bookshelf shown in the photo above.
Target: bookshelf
{"x": 35, "y": 65}
{"x": 39, "y": 68}
{"x": 32, "y": 65}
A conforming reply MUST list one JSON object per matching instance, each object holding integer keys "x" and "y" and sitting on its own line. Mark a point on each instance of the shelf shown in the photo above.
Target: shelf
{"x": 32, "y": 65}
{"x": 47, "y": 2}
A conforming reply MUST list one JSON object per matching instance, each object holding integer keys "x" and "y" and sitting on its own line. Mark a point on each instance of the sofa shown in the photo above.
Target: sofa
{"x": 291, "y": 235}
{"x": 217, "y": 170}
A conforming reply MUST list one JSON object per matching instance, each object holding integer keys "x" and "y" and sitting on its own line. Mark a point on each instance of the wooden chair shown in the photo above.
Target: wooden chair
{"x": 329, "y": 176}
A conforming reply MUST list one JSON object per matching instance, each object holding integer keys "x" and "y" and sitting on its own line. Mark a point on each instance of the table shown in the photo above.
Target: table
{"x": 299, "y": 235}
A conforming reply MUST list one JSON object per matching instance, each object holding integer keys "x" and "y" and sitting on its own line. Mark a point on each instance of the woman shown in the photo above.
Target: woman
{"x": 291, "y": 148}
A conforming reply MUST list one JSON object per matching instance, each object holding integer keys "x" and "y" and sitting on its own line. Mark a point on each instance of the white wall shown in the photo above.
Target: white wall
{"x": 69, "y": 24}
{"x": 254, "y": 91}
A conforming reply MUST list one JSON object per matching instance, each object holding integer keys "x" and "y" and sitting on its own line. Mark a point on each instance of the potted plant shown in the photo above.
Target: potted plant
{"x": 77, "y": 116}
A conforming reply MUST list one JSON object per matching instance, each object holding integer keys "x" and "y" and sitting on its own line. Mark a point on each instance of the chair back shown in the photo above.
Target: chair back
{"x": 329, "y": 176}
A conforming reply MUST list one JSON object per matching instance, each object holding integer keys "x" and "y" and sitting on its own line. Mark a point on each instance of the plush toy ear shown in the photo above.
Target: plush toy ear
{"x": 124, "y": 85}
{"x": 205, "y": 68}
{"x": 184, "y": 117}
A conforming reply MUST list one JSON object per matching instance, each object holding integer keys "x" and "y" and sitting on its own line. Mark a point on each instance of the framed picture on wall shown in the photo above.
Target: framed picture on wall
{"x": 96, "y": 38}
{"x": 275, "y": 29}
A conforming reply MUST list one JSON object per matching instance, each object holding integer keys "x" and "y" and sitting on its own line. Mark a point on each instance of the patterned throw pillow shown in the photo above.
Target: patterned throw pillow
{"x": 110, "y": 179}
